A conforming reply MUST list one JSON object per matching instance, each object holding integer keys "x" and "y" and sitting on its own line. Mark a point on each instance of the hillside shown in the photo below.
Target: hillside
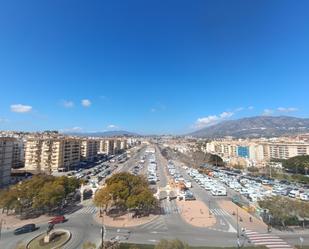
{"x": 105, "y": 134}
{"x": 260, "y": 126}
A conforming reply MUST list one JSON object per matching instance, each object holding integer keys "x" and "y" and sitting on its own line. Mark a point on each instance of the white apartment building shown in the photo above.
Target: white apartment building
{"x": 89, "y": 149}
{"x": 285, "y": 150}
{"x": 52, "y": 154}
{"x": 258, "y": 151}
{"x": 107, "y": 147}
{"x": 6, "y": 159}
{"x": 123, "y": 144}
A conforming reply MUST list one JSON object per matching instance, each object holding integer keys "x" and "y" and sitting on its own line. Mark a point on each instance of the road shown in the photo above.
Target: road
{"x": 167, "y": 226}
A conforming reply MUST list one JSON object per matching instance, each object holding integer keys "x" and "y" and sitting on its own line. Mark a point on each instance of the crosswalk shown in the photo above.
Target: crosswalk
{"x": 219, "y": 212}
{"x": 87, "y": 210}
{"x": 170, "y": 207}
{"x": 266, "y": 239}
{"x": 155, "y": 226}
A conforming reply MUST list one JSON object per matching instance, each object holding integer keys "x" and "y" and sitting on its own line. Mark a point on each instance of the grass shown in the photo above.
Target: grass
{"x": 38, "y": 243}
{"x": 144, "y": 246}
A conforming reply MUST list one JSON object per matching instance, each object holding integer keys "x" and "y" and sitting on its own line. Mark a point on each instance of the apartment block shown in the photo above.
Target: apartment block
{"x": 117, "y": 146}
{"x": 123, "y": 145}
{"x": 285, "y": 150}
{"x": 6, "y": 159}
{"x": 89, "y": 149}
{"x": 52, "y": 154}
{"x": 18, "y": 160}
{"x": 258, "y": 151}
{"x": 107, "y": 146}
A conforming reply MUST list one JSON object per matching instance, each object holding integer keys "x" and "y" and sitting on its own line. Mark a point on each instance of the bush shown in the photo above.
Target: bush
{"x": 171, "y": 244}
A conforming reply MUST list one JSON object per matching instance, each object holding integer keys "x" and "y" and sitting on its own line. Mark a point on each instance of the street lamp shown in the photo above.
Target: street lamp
{"x": 102, "y": 228}
{"x": 2, "y": 221}
{"x": 209, "y": 211}
{"x": 240, "y": 244}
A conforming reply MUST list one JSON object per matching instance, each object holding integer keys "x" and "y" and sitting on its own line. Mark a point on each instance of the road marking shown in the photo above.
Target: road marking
{"x": 268, "y": 240}
{"x": 158, "y": 224}
{"x": 219, "y": 212}
{"x": 87, "y": 210}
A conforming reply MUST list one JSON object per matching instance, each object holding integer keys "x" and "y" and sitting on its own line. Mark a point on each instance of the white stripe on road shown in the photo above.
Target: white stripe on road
{"x": 268, "y": 240}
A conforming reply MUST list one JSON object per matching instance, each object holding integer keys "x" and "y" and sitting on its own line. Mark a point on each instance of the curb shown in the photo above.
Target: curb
{"x": 56, "y": 247}
{"x": 100, "y": 223}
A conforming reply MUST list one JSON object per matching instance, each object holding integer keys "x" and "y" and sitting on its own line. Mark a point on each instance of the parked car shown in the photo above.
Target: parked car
{"x": 57, "y": 219}
{"x": 25, "y": 229}
{"x": 188, "y": 196}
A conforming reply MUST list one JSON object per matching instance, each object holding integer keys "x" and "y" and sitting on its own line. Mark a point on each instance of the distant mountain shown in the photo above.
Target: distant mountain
{"x": 260, "y": 126}
{"x": 104, "y": 134}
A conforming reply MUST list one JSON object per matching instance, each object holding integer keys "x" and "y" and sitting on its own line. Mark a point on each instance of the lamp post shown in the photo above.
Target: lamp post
{"x": 102, "y": 228}
{"x": 2, "y": 221}
{"x": 209, "y": 208}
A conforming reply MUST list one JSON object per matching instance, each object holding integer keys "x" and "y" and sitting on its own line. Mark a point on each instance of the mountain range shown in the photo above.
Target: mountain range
{"x": 260, "y": 126}
{"x": 104, "y": 134}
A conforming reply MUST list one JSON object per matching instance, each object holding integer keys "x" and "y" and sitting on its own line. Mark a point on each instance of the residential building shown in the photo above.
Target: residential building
{"x": 18, "y": 160}
{"x": 89, "y": 149}
{"x": 107, "y": 147}
{"x": 52, "y": 154}
{"x": 6, "y": 159}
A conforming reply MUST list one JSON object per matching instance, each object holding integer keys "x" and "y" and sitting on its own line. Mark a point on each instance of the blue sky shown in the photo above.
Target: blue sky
{"x": 150, "y": 66}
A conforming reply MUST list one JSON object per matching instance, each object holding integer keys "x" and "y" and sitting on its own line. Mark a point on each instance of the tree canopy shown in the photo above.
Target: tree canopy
{"x": 125, "y": 191}
{"x": 284, "y": 210}
{"x": 41, "y": 192}
{"x": 297, "y": 164}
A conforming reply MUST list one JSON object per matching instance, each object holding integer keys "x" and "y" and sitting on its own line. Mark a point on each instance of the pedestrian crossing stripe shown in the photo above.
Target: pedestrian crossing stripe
{"x": 268, "y": 240}
{"x": 170, "y": 207}
{"x": 157, "y": 224}
{"x": 219, "y": 212}
{"x": 87, "y": 210}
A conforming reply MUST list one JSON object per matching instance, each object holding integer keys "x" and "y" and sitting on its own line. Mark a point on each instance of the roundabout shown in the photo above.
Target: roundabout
{"x": 55, "y": 239}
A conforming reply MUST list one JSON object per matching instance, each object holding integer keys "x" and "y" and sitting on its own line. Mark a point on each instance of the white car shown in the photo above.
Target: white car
{"x": 304, "y": 197}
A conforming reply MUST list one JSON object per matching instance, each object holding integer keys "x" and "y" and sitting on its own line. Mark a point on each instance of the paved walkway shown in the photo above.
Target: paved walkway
{"x": 11, "y": 221}
{"x": 267, "y": 239}
{"x": 124, "y": 221}
{"x": 196, "y": 213}
{"x": 256, "y": 224}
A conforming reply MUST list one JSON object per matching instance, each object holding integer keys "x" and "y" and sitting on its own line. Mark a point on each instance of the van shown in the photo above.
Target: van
{"x": 294, "y": 193}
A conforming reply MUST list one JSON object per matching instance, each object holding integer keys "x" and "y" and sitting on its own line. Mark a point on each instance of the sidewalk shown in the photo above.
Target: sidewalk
{"x": 196, "y": 213}
{"x": 255, "y": 225}
{"x": 12, "y": 222}
{"x": 124, "y": 221}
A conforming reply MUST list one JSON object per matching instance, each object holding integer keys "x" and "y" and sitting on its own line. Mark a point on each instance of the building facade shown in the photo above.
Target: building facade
{"x": 6, "y": 159}
{"x": 52, "y": 154}
{"x": 89, "y": 149}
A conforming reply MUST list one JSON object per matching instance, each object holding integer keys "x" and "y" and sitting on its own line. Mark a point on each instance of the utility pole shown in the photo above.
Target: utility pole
{"x": 209, "y": 208}
{"x": 238, "y": 242}
{"x": 1, "y": 222}
{"x": 102, "y": 229}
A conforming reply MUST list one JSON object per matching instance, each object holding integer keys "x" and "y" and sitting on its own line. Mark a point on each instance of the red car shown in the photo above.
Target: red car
{"x": 57, "y": 219}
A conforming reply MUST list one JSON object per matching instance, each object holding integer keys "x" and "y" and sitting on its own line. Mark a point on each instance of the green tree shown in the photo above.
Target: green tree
{"x": 124, "y": 191}
{"x": 39, "y": 192}
{"x": 281, "y": 209}
{"x": 50, "y": 196}
{"x": 297, "y": 164}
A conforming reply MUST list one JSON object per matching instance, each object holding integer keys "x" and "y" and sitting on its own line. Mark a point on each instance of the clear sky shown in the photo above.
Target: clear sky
{"x": 150, "y": 66}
